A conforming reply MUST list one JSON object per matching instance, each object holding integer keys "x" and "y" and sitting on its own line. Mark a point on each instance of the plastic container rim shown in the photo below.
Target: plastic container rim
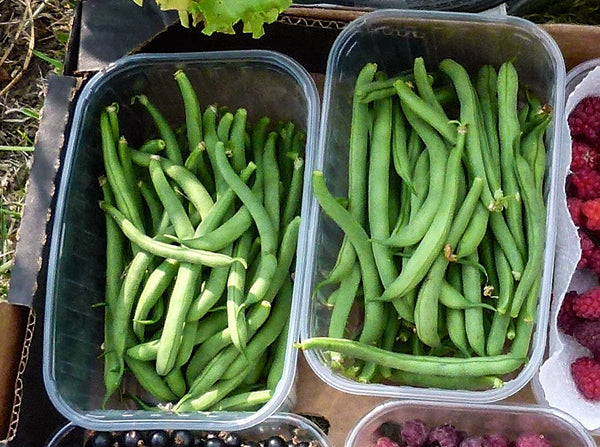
{"x": 568, "y": 420}
{"x": 540, "y": 334}
{"x": 244, "y": 419}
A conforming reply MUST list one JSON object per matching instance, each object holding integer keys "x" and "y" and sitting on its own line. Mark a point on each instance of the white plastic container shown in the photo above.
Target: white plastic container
{"x": 391, "y": 39}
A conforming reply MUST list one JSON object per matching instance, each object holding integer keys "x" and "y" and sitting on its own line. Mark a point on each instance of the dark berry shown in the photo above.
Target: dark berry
{"x": 182, "y": 438}
{"x": 159, "y": 438}
{"x": 414, "y": 433}
{"x": 275, "y": 441}
{"x": 99, "y": 439}
{"x": 444, "y": 435}
{"x": 199, "y": 441}
{"x": 133, "y": 438}
{"x": 232, "y": 440}
{"x": 215, "y": 442}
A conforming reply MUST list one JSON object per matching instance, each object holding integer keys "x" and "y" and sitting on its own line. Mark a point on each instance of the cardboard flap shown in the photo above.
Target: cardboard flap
{"x": 40, "y": 190}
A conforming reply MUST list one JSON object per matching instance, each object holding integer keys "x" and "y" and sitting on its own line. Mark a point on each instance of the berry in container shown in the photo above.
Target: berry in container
{"x": 394, "y": 423}
{"x": 573, "y": 332}
{"x": 286, "y": 429}
{"x": 149, "y": 297}
{"x": 408, "y": 294}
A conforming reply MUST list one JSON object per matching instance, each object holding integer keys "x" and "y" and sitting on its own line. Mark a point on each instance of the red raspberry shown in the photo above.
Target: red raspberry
{"x": 584, "y": 120}
{"x": 594, "y": 261}
{"x": 386, "y": 442}
{"x": 566, "y": 319}
{"x": 587, "y": 250}
{"x": 584, "y": 156}
{"x": 584, "y": 184}
{"x": 414, "y": 433}
{"x": 586, "y": 374}
{"x": 587, "y": 304}
{"x": 591, "y": 211}
{"x": 532, "y": 440}
{"x": 574, "y": 204}
{"x": 587, "y": 333}
{"x": 497, "y": 440}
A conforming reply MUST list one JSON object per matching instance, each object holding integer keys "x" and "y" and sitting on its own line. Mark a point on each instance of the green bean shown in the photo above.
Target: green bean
{"x": 146, "y": 376}
{"x": 455, "y": 322}
{"x": 509, "y": 131}
{"x": 124, "y": 153}
{"x": 345, "y": 296}
{"x": 388, "y": 339}
{"x": 243, "y": 401}
{"x": 164, "y": 129}
{"x": 210, "y": 325}
{"x": 417, "y": 226}
{"x": 471, "y": 278}
{"x": 486, "y": 86}
{"x": 236, "y": 317}
{"x": 257, "y": 141}
{"x": 294, "y": 194}
{"x": 535, "y": 221}
{"x": 474, "y": 233}
{"x": 271, "y": 196}
{"x": 424, "y": 86}
{"x": 113, "y": 110}
{"x": 357, "y": 236}
{"x": 278, "y": 358}
{"x": 173, "y": 327}
{"x": 144, "y": 351}
{"x": 213, "y": 290}
{"x": 257, "y": 315}
{"x": 378, "y": 187}
{"x": 124, "y": 198}
{"x": 452, "y": 298}
{"x": 525, "y": 322}
{"x": 153, "y": 146}
{"x": 357, "y": 169}
{"x": 222, "y": 363}
{"x": 165, "y": 250}
{"x": 238, "y": 131}
{"x": 443, "y": 366}
{"x": 173, "y": 207}
{"x": 285, "y": 258}
{"x": 210, "y": 397}
{"x": 366, "y": 90}
{"x": 155, "y": 286}
{"x": 534, "y": 151}
{"x": 189, "y": 183}
{"x": 224, "y": 235}
{"x": 430, "y": 246}
{"x": 153, "y": 205}
{"x": 286, "y": 146}
{"x": 400, "y": 146}
{"x": 425, "y": 111}
{"x": 113, "y": 362}
{"x": 496, "y": 338}
{"x": 224, "y": 127}
{"x": 176, "y": 382}
{"x": 476, "y": 383}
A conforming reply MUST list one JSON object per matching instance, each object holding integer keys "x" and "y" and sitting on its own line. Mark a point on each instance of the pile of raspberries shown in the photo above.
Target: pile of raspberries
{"x": 415, "y": 433}
{"x": 579, "y": 315}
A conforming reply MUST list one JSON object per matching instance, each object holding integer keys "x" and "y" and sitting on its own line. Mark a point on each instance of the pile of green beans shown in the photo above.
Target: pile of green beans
{"x": 202, "y": 226}
{"x": 438, "y": 276}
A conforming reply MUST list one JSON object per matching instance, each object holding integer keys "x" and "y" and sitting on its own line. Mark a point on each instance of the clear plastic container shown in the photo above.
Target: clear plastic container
{"x": 477, "y": 420}
{"x": 432, "y": 5}
{"x": 392, "y": 38}
{"x": 263, "y": 82}
{"x": 283, "y": 424}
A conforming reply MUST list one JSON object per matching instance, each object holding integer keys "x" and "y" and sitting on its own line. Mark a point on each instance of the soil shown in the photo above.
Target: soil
{"x": 32, "y": 32}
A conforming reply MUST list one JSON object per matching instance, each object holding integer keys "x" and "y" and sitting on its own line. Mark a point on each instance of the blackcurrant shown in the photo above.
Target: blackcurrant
{"x": 215, "y": 442}
{"x": 182, "y": 438}
{"x": 232, "y": 440}
{"x": 159, "y": 438}
{"x": 275, "y": 441}
{"x": 133, "y": 438}
{"x": 100, "y": 439}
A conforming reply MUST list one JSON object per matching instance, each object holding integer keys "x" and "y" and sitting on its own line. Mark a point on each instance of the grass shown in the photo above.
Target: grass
{"x": 33, "y": 38}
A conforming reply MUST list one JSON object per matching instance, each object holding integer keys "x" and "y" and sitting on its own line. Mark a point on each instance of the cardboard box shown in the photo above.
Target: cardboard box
{"x": 103, "y": 31}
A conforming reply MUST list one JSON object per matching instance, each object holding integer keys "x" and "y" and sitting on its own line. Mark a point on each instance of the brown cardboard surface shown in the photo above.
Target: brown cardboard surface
{"x": 578, "y": 43}
{"x": 13, "y": 321}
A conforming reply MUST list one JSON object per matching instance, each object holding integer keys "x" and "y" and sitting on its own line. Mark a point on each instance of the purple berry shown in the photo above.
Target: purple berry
{"x": 414, "y": 433}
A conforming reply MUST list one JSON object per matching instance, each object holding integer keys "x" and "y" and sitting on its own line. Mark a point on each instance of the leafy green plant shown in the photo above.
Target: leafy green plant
{"x": 220, "y": 16}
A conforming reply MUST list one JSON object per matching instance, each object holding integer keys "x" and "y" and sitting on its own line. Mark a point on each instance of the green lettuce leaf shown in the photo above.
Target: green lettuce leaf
{"x": 220, "y": 16}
